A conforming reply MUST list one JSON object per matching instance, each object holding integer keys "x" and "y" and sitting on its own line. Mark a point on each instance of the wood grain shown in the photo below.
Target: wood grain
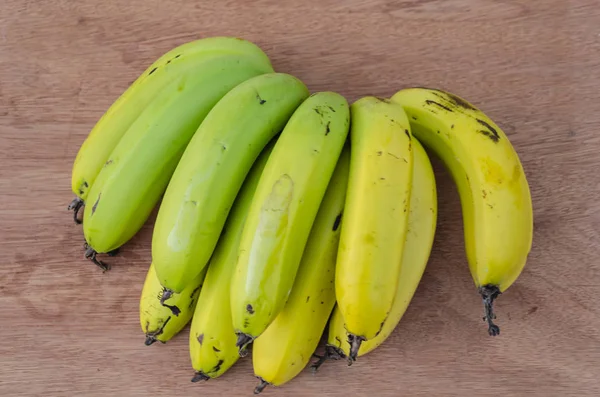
{"x": 534, "y": 67}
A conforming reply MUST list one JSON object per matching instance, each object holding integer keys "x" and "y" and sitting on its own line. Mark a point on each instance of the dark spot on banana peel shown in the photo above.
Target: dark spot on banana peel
{"x": 452, "y": 127}
{"x": 307, "y": 298}
{"x": 260, "y": 100}
{"x": 332, "y": 109}
{"x": 414, "y": 118}
{"x": 217, "y": 367}
{"x": 109, "y": 162}
{"x": 490, "y": 131}
{"x": 379, "y": 153}
{"x": 318, "y": 111}
{"x": 153, "y": 334}
{"x": 249, "y": 308}
{"x": 199, "y": 375}
{"x": 152, "y": 71}
{"x": 96, "y": 204}
{"x": 177, "y": 56}
{"x": 451, "y": 98}
{"x": 327, "y": 129}
{"x": 483, "y": 193}
{"x": 384, "y": 100}
{"x": 430, "y": 102}
{"x": 194, "y": 296}
{"x": 408, "y": 135}
{"x": 393, "y": 155}
{"x": 215, "y": 349}
{"x": 336, "y": 223}
{"x": 200, "y": 339}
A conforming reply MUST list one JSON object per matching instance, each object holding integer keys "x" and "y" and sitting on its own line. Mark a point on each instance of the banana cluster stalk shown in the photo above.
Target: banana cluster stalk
{"x": 494, "y": 193}
{"x": 288, "y": 343}
{"x": 376, "y": 217}
{"x": 283, "y": 210}
{"x": 422, "y": 221}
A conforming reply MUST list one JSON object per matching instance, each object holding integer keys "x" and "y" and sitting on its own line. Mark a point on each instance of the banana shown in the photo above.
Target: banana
{"x": 283, "y": 210}
{"x": 495, "y": 198}
{"x": 138, "y": 170}
{"x": 212, "y": 337}
{"x": 163, "y": 321}
{"x": 108, "y": 131}
{"x": 288, "y": 343}
{"x": 422, "y": 220}
{"x": 376, "y": 217}
{"x": 212, "y": 170}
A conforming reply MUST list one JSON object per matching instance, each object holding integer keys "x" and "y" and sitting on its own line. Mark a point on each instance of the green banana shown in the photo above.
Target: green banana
{"x": 110, "y": 128}
{"x": 139, "y": 169}
{"x": 283, "y": 210}
{"x": 288, "y": 343}
{"x": 213, "y": 168}
{"x": 212, "y": 337}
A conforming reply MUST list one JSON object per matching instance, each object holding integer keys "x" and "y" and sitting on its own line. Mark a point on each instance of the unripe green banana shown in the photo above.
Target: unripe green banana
{"x": 288, "y": 343}
{"x": 108, "y": 131}
{"x": 212, "y": 337}
{"x": 212, "y": 170}
{"x": 283, "y": 210}
{"x": 139, "y": 169}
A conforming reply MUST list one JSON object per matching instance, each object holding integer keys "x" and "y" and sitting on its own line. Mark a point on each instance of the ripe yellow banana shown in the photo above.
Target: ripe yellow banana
{"x": 494, "y": 193}
{"x": 212, "y": 170}
{"x": 376, "y": 217}
{"x": 212, "y": 337}
{"x": 163, "y": 321}
{"x": 108, "y": 131}
{"x": 139, "y": 168}
{"x": 422, "y": 220}
{"x": 283, "y": 210}
{"x": 288, "y": 343}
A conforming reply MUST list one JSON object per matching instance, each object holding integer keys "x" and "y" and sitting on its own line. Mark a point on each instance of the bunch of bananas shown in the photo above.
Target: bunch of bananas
{"x": 283, "y": 213}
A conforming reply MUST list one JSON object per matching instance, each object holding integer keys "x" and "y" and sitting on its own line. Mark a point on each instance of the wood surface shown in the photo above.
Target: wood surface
{"x": 66, "y": 329}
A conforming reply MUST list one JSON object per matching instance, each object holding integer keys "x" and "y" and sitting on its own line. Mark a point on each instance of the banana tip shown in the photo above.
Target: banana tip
{"x": 199, "y": 375}
{"x": 243, "y": 340}
{"x": 150, "y": 339}
{"x": 261, "y": 386}
{"x": 489, "y": 293}
{"x": 354, "y": 341}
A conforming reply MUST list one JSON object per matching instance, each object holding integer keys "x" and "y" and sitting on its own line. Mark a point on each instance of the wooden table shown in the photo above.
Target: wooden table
{"x": 534, "y": 67}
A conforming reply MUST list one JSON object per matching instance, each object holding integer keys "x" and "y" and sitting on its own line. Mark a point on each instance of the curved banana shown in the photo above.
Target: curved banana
{"x": 163, "y": 321}
{"x": 212, "y": 170}
{"x": 105, "y": 135}
{"x": 138, "y": 170}
{"x": 212, "y": 337}
{"x": 288, "y": 343}
{"x": 493, "y": 189}
{"x": 422, "y": 220}
{"x": 283, "y": 210}
{"x": 376, "y": 217}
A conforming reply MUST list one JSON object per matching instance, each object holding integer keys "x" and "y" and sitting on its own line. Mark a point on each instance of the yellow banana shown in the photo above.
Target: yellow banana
{"x": 283, "y": 210}
{"x": 108, "y": 131}
{"x": 212, "y": 169}
{"x": 495, "y": 197}
{"x": 376, "y": 217}
{"x": 288, "y": 343}
{"x": 422, "y": 220}
{"x": 212, "y": 337}
{"x": 138, "y": 170}
{"x": 163, "y": 321}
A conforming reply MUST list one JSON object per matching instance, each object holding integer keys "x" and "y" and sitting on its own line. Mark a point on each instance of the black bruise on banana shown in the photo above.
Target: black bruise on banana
{"x": 152, "y": 71}
{"x": 200, "y": 339}
{"x": 327, "y": 129}
{"x": 96, "y": 203}
{"x": 249, "y": 308}
{"x": 216, "y": 349}
{"x": 217, "y": 367}
{"x": 151, "y": 336}
{"x": 336, "y": 225}
{"x": 260, "y": 100}
{"x": 194, "y": 296}
{"x": 490, "y": 131}
{"x": 430, "y": 102}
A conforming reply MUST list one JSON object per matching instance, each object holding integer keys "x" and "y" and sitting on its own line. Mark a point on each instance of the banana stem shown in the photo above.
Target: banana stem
{"x": 331, "y": 353}
{"x": 90, "y": 254}
{"x": 354, "y": 341}
{"x": 243, "y": 340}
{"x": 75, "y": 206}
{"x": 489, "y": 293}
{"x": 261, "y": 386}
{"x": 150, "y": 339}
{"x": 200, "y": 376}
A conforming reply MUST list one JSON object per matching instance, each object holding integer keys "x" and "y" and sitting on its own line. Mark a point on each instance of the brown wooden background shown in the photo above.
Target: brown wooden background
{"x": 66, "y": 329}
